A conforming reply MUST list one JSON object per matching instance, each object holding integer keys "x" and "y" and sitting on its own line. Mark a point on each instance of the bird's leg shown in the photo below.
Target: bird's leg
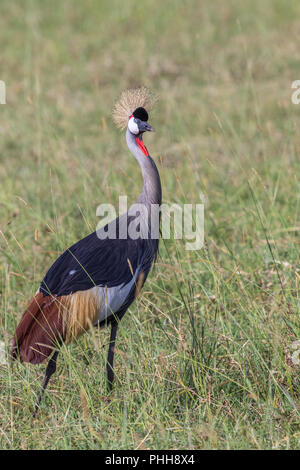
{"x": 51, "y": 368}
{"x": 110, "y": 357}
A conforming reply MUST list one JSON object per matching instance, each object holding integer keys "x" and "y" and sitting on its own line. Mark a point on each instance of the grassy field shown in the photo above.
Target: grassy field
{"x": 204, "y": 357}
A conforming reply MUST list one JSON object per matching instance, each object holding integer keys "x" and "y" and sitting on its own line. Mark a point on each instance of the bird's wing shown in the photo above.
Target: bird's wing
{"x": 96, "y": 262}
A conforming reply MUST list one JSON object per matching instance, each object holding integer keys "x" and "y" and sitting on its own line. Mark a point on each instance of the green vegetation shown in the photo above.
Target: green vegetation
{"x": 203, "y": 358}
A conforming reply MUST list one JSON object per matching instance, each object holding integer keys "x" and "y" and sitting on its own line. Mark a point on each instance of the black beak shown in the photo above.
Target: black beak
{"x": 144, "y": 127}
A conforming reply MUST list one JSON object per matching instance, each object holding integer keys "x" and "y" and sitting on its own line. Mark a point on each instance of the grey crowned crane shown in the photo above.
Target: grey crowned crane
{"x": 95, "y": 280}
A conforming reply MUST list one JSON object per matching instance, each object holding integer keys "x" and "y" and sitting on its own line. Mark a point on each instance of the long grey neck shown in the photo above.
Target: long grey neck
{"x": 151, "y": 192}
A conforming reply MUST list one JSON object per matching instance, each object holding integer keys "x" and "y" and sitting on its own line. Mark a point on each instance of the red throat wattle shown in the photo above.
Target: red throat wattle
{"x": 142, "y": 146}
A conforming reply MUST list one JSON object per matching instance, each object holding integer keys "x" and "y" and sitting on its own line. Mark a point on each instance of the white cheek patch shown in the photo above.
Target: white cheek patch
{"x": 133, "y": 127}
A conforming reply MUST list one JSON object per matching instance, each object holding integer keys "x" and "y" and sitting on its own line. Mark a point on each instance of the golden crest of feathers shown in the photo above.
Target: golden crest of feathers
{"x": 129, "y": 101}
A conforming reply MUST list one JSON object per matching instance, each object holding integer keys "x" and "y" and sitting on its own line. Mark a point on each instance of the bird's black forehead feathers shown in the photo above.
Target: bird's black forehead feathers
{"x": 141, "y": 114}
